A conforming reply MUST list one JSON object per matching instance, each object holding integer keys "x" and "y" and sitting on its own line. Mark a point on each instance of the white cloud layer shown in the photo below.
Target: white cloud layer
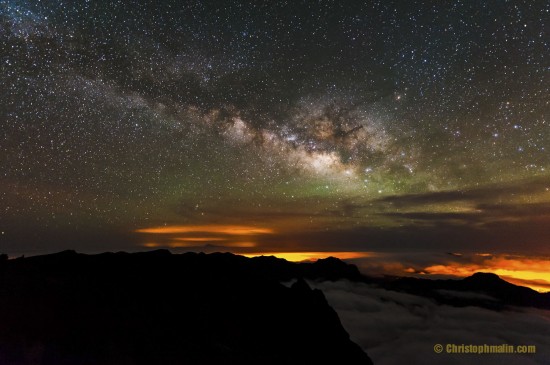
{"x": 397, "y": 328}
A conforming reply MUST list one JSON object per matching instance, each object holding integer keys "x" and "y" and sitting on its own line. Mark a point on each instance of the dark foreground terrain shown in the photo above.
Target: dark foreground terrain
{"x": 162, "y": 308}
{"x": 159, "y": 308}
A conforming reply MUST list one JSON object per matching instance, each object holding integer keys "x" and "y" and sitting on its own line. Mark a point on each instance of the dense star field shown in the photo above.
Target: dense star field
{"x": 276, "y": 126}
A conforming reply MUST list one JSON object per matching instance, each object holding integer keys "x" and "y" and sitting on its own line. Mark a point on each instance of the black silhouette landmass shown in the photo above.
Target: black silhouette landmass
{"x": 161, "y": 308}
{"x": 481, "y": 289}
{"x": 485, "y": 290}
{"x": 193, "y": 308}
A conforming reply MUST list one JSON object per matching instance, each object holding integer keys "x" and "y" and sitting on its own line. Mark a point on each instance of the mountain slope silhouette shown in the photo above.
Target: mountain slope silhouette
{"x": 159, "y": 308}
{"x": 481, "y": 289}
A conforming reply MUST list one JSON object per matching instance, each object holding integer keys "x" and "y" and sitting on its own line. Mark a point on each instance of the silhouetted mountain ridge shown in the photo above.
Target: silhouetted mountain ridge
{"x": 490, "y": 291}
{"x": 493, "y": 292}
{"x": 159, "y": 308}
{"x": 194, "y": 308}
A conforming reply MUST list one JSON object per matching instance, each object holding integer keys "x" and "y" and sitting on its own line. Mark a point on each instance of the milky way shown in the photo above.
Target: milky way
{"x": 336, "y": 125}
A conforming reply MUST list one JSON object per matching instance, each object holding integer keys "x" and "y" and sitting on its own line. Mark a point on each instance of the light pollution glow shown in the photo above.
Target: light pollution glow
{"x": 530, "y": 272}
{"x": 310, "y": 256}
{"x": 519, "y": 270}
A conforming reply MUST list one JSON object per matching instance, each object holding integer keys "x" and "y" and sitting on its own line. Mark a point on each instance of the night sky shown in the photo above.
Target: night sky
{"x": 277, "y": 126}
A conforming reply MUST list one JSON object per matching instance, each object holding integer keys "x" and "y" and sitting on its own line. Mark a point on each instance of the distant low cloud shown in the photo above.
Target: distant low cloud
{"x": 175, "y": 236}
{"x": 397, "y": 328}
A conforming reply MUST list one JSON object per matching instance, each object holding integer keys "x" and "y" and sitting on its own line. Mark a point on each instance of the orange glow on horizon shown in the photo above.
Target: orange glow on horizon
{"x": 212, "y": 228}
{"x": 530, "y": 272}
{"x": 309, "y": 256}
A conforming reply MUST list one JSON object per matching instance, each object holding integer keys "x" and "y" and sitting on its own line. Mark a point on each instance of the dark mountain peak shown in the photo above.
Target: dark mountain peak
{"x": 268, "y": 258}
{"x": 489, "y": 282}
{"x": 486, "y": 277}
{"x": 332, "y": 262}
{"x": 155, "y": 253}
{"x": 63, "y": 254}
{"x": 333, "y": 268}
{"x": 483, "y": 281}
{"x": 486, "y": 290}
{"x": 66, "y": 256}
{"x": 331, "y": 259}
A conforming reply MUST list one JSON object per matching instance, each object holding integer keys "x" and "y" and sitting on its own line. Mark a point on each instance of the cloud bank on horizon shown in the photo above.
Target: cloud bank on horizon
{"x": 397, "y": 328}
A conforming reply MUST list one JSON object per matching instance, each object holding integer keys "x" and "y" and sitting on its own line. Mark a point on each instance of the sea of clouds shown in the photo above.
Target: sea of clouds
{"x": 399, "y": 328}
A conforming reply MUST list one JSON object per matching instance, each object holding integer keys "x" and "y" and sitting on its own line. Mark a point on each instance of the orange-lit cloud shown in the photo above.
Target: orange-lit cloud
{"x": 213, "y": 228}
{"x": 176, "y": 236}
